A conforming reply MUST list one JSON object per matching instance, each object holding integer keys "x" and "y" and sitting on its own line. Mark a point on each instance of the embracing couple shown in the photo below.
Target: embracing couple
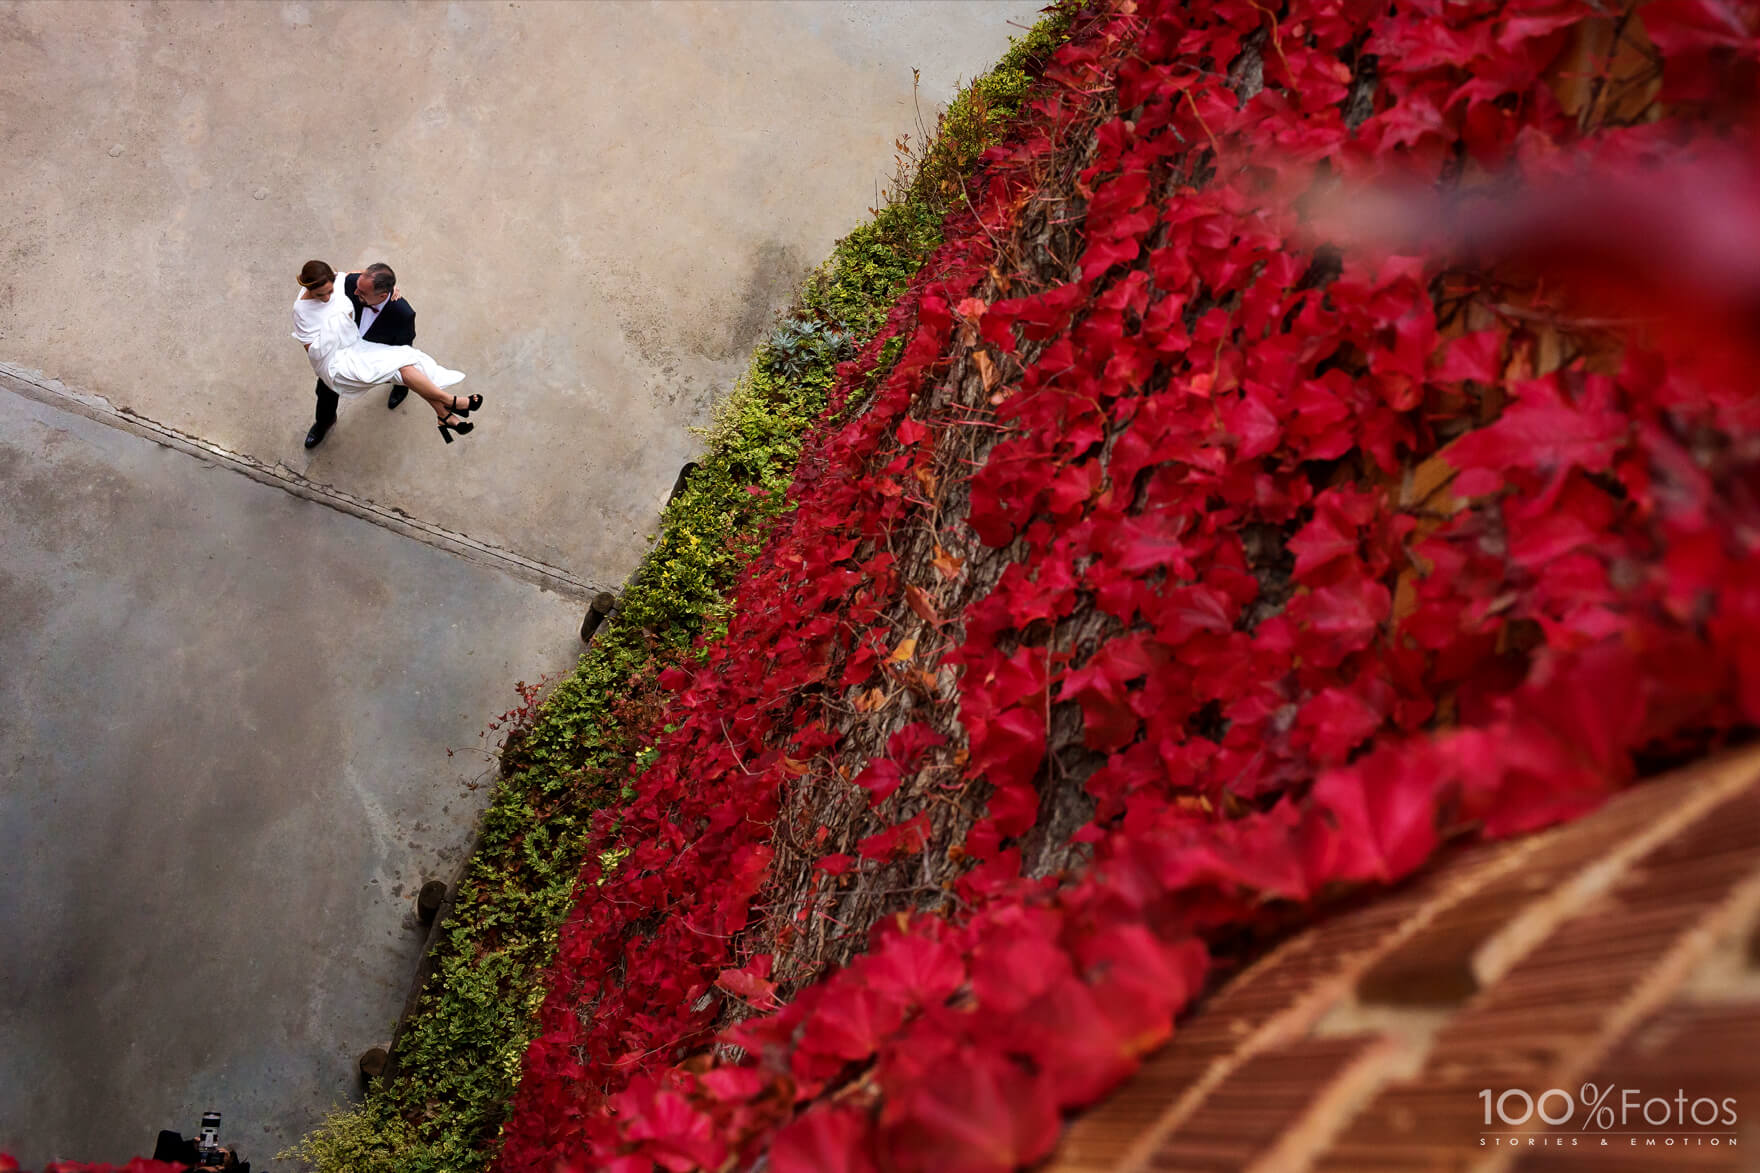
{"x": 335, "y": 332}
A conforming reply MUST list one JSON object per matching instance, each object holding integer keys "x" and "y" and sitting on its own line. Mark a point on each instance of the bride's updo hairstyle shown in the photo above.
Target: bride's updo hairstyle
{"x": 315, "y": 273}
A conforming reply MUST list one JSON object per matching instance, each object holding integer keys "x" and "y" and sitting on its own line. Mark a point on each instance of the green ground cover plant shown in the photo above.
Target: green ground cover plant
{"x": 458, "y": 1058}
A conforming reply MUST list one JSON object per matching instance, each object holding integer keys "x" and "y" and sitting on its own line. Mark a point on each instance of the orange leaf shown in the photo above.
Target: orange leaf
{"x": 904, "y": 651}
{"x": 922, "y": 604}
{"x": 946, "y": 563}
{"x": 986, "y": 369}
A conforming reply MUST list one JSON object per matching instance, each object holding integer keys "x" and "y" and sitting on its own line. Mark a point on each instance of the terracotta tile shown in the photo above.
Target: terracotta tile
{"x": 1421, "y": 1117}
{"x": 1401, "y": 1161}
{"x": 1265, "y": 1101}
{"x": 1222, "y": 1028}
{"x": 1434, "y": 965}
{"x": 1100, "y": 1138}
{"x": 1231, "y": 1090}
{"x": 1556, "y": 998}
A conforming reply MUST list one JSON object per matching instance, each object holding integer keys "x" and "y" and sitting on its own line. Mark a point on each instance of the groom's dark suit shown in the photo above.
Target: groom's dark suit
{"x": 396, "y": 326}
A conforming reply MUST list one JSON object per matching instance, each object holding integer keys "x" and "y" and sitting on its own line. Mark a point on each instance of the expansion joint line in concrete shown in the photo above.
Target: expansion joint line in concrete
{"x": 32, "y": 386}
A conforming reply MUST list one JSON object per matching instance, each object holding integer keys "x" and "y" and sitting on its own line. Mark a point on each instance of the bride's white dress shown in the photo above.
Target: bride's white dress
{"x": 341, "y": 359}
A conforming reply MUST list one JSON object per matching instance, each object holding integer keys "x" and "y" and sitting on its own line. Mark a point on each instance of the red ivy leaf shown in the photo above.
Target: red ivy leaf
{"x": 973, "y": 1112}
{"x": 1385, "y": 805}
{"x": 824, "y": 1140}
{"x": 747, "y": 985}
{"x": 735, "y": 1084}
{"x": 1472, "y": 356}
{"x": 915, "y": 969}
{"x": 907, "y": 837}
{"x": 835, "y": 865}
{"x": 880, "y": 779}
{"x": 1542, "y": 430}
{"x": 851, "y": 1021}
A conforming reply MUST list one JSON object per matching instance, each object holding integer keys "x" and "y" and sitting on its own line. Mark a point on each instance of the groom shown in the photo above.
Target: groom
{"x": 381, "y": 318}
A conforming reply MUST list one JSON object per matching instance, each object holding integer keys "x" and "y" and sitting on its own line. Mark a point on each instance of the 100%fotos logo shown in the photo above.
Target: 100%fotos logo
{"x": 1556, "y": 1106}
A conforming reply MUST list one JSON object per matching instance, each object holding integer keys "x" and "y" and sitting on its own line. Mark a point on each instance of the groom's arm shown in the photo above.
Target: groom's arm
{"x": 397, "y": 323}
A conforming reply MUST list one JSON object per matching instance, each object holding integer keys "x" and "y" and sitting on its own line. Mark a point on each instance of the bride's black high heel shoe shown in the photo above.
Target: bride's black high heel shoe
{"x": 471, "y": 403}
{"x": 457, "y": 425}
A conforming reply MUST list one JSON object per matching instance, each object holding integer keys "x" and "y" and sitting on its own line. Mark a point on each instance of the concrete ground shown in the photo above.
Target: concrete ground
{"x": 595, "y": 209}
{"x": 225, "y": 716}
{"x": 225, "y": 709}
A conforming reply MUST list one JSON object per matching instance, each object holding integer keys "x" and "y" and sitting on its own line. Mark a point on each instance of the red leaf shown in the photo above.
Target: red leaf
{"x": 1320, "y": 542}
{"x": 835, "y": 865}
{"x": 907, "y": 837}
{"x": 973, "y": 1112}
{"x": 1121, "y": 194}
{"x": 909, "y": 744}
{"x": 677, "y": 1129}
{"x": 1143, "y": 543}
{"x": 1529, "y": 25}
{"x": 1101, "y": 255}
{"x": 915, "y": 969}
{"x": 735, "y": 1084}
{"x": 1352, "y": 610}
{"x": 1011, "y": 748}
{"x": 1077, "y": 1045}
{"x": 1108, "y": 723}
{"x": 1012, "y": 808}
{"x": 1541, "y": 430}
{"x": 1014, "y": 966}
{"x": 824, "y": 1140}
{"x": 747, "y": 985}
{"x": 1130, "y": 952}
{"x": 1385, "y": 805}
{"x": 851, "y": 1021}
{"x": 880, "y": 779}
{"x": 1336, "y": 721}
{"x": 1473, "y": 356}
{"x": 1254, "y": 426}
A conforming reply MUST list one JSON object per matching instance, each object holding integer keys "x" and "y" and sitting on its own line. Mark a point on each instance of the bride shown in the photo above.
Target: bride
{"x": 324, "y": 324}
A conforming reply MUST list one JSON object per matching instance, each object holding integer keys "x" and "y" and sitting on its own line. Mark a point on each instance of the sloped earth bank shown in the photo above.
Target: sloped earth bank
{"x": 1180, "y": 572}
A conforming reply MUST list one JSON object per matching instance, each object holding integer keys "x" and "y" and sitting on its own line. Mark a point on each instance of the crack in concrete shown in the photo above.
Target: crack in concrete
{"x": 32, "y": 385}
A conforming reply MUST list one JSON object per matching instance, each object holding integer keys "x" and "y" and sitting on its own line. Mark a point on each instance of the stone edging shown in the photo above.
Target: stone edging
{"x": 31, "y": 385}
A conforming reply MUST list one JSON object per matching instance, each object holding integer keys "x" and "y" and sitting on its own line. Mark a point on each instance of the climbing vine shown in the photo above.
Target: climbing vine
{"x": 1259, "y": 566}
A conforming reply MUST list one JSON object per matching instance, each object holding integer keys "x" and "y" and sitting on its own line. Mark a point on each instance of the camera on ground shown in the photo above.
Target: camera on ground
{"x": 203, "y": 1151}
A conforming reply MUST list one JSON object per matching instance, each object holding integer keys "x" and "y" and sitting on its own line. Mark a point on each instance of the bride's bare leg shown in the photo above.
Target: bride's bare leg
{"x": 443, "y": 402}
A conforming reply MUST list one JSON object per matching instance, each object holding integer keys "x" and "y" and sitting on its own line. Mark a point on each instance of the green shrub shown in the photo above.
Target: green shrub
{"x": 363, "y": 1139}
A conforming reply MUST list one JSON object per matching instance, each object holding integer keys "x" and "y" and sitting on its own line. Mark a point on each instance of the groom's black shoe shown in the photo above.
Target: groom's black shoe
{"x": 315, "y": 437}
{"x": 397, "y": 394}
